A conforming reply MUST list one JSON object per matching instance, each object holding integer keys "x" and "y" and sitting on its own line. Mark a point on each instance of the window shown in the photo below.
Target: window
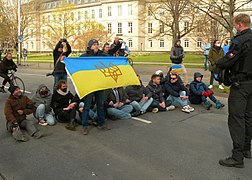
{"x": 130, "y": 9}
{"x": 161, "y": 12}
{"x": 149, "y": 12}
{"x": 109, "y": 11}
{"x": 149, "y": 27}
{"x": 43, "y": 33}
{"x": 32, "y": 33}
{"x": 161, "y": 27}
{"x": 48, "y": 18}
{"x": 43, "y": 19}
{"x": 130, "y": 43}
{"x": 109, "y": 28}
{"x": 100, "y": 13}
{"x": 93, "y": 14}
{"x": 53, "y": 4}
{"x": 150, "y": 43}
{"x": 48, "y": 5}
{"x": 186, "y": 43}
{"x": 130, "y": 25}
{"x": 186, "y": 26}
{"x": 119, "y": 10}
{"x": 72, "y": 16}
{"x": 79, "y": 2}
{"x": 32, "y": 45}
{"x": 199, "y": 43}
{"x": 86, "y": 14}
{"x": 79, "y": 15}
{"x": 161, "y": 43}
{"x": 119, "y": 30}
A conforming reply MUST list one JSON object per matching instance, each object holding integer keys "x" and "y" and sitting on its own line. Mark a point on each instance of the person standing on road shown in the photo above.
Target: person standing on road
{"x": 225, "y": 47}
{"x": 16, "y": 108}
{"x": 177, "y": 55}
{"x": 238, "y": 62}
{"x": 93, "y": 50}
{"x": 59, "y": 72}
{"x": 6, "y": 65}
{"x": 206, "y": 48}
{"x": 216, "y": 52}
{"x": 25, "y": 57}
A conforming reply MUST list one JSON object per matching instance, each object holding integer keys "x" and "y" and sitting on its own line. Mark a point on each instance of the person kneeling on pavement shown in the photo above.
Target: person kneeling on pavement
{"x": 117, "y": 104}
{"x": 178, "y": 93}
{"x": 199, "y": 93}
{"x": 158, "y": 103}
{"x": 16, "y": 108}
{"x": 63, "y": 105}
{"x": 42, "y": 101}
{"x": 140, "y": 98}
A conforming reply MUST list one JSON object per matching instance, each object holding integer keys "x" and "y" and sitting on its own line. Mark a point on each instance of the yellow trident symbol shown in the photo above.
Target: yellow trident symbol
{"x": 112, "y": 71}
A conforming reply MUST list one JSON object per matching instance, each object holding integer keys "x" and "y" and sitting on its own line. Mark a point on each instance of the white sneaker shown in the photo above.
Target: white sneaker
{"x": 170, "y": 108}
{"x": 185, "y": 109}
{"x": 155, "y": 110}
{"x": 221, "y": 87}
{"x": 191, "y": 109}
{"x": 210, "y": 87}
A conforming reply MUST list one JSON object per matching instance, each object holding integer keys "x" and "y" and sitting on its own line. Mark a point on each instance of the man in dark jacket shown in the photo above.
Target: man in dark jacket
{"x": 111, "y": 50}
{"x": 199, "y": 93}
{"x": 59, "y": 72}
{"x": 140, "y": 98}
{"x": 155, "y": 88}
{"x": 42, "y": 101}
{"x": 93, "y": 50}
{"x": 16, "y": 108}
{"x": 63, "y": 105}
{"x": 178, "y": 94}
{"x": 117, "y": 104}
{"x": 6, "y": 65}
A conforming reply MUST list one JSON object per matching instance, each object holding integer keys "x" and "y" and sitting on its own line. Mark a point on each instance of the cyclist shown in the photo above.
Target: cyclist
{"x": 6, "y": 65}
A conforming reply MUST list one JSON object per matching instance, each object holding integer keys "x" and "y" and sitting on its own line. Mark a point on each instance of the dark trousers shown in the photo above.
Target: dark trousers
{"x": 155, "y": 104}
{"x": 66, "y": 116}
{"x": 99, "y": 98}
{"x": 240, "y": 118}
{"x": 199, "y": 99}
{"x": 6, "y": 78}
{"x": 212, "y": 79}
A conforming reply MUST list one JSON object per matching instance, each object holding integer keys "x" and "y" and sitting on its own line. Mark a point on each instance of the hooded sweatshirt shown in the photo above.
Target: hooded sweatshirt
{"x": 38, "y": 99}
{"x": 174, "y": 89}
{"x": 177, "y": 54}
{"x": 6, "y": 65}
{"x": 196, "y": 87}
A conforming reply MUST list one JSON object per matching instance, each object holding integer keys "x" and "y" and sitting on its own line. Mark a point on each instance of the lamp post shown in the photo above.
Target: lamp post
{"x": 19, "y": 32}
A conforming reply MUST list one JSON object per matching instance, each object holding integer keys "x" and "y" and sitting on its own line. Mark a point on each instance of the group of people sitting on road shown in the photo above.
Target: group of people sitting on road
{"x": 60, "y": 105}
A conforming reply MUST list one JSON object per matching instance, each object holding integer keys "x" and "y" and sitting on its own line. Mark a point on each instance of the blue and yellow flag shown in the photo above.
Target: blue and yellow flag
{"x": 90, "y": 74}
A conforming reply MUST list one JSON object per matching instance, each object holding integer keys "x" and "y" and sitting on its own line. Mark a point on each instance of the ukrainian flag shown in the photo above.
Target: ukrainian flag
{"x": 90, "y": 74}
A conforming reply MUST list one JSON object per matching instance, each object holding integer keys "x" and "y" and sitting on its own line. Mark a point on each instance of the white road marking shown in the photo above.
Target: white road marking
{"x": 28, "y": 92}
{"x": 40, "y": 75}
{"x": 141, "y": 120}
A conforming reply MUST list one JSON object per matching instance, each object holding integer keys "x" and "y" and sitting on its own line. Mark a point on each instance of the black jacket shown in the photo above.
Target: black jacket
{"x": 110, "y": 96}
{"x": 90, "y": 52}
{"x": 157, "y": 93}
{"x": 177, "y": 54}
{"x": 135, "y": 93}
{"x": 114, "y": 48}
{"x": 59, "y": 101}
{"x": 175, "y": 88}
{"x": 59, "y": 66}
{"x": 6, "y": 65}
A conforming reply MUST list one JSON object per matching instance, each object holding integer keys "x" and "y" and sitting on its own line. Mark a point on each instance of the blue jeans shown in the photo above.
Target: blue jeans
{"x": 92, "y": 112}
{"x": 99, "y": 98}
{"x": 143, "y": 105}
{"x": 59, "y": 76}
{"x": 206, "y": 62}
{"x": 176, "y": 101}
{"x": 40, "y": 113}
{"x": 122, "y": 112}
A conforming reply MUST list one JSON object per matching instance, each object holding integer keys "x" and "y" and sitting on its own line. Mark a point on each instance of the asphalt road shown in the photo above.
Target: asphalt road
{"x": 176, "y": 146}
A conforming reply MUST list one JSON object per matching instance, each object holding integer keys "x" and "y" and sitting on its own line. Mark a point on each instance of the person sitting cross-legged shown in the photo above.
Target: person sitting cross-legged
{"x": 178, "y": 93}
{"x": 63, "y": 105}
{"x": 17, "y": 107}
{"x": 117, "y": 103}
{"x": 158, "y": 103}
{"x": 140, "y": 98}
{"x": 199, "y": 93}
{"x": 42, "y": 101}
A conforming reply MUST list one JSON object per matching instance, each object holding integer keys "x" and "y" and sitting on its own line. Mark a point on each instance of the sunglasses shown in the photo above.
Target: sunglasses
{"x": 173, "y": 78}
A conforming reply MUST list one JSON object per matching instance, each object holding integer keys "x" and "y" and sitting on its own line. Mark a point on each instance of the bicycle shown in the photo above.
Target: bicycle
{"x": 16, "y": 81}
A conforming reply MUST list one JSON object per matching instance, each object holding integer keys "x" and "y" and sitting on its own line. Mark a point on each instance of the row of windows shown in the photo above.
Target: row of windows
{"x": 162, "y": 43}
{"x": 162, "y": 27}
{"x": 120, "y": 28}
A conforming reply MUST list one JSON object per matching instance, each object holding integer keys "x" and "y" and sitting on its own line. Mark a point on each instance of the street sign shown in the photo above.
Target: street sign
{"x": 20, "y": 38}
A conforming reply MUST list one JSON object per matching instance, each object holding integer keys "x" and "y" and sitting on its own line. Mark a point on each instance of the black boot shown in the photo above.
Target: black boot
{"x": 71, "y": 125}
{"x": 231, "y": 162}
{"x": 247, "y": 154}
{"x": 136, "y": 113}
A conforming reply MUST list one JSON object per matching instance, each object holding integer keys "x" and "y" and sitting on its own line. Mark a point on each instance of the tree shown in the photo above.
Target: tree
{"x": 176, "y": 18}
{"x": 221, "y": 11}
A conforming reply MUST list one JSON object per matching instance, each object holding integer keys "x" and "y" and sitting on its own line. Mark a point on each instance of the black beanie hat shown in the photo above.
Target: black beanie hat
{"x": 91, "y": 42}
{"x": 61, "y": 45}
{"x": 12, "y": 89}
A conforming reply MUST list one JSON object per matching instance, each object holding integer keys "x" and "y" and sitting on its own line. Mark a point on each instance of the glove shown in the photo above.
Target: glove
{"x": 210, "y": 93}
{"x": 205, "y": 94}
